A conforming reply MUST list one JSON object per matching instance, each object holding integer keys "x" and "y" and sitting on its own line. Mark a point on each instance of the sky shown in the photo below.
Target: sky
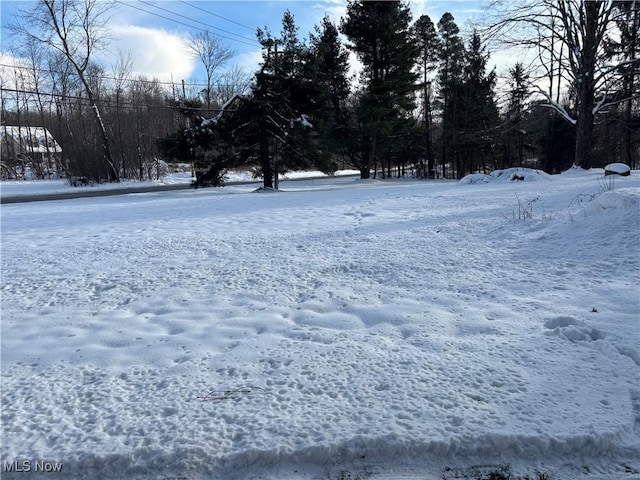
{"x": 155, "y": 32}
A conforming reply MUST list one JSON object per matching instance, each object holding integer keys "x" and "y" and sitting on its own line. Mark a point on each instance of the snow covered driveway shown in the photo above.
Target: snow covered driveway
{"x": 388, "y": 329}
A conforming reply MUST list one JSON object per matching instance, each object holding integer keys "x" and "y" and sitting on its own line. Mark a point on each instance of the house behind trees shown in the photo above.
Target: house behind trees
{"x": 29, "y": 152}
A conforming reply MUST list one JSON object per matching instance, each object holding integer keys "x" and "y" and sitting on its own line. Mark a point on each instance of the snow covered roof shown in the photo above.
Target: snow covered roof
{"x": 31, "y": 139}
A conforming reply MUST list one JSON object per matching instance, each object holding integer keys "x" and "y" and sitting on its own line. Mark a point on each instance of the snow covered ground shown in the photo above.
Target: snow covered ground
{"x": 337, "y": 329}
{"x": 12, "y": 188}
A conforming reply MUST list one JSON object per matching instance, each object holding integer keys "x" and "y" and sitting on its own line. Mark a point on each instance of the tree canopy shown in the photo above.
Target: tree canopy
{"x": 425, "y": 100}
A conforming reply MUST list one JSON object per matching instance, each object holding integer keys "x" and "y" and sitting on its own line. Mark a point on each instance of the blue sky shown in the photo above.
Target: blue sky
{"x": 154, "y": 32}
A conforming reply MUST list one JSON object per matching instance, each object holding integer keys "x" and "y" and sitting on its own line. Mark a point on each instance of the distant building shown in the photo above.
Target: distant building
{"x": 29, "y": 151}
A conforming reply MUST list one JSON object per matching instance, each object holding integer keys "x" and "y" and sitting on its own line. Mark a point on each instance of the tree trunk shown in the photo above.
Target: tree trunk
{"x": 265, "y": 161}
{"x": 629, "y": 81}
{"x": 123, "y": 162}
{"x": 444, "y": 160}
{"x": 431, "y": 162}
{"x": 584, "y": 132}
{"x": 585, "y": 86}
{"x": 111, "y": 169}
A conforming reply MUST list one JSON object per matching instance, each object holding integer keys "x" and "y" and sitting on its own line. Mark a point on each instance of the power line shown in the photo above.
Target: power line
{"x": 109, "y": 103}
{"x": 253, "y": 40}
{"x": 245, "y": 40}
{"x": 219, "y": 16}
{"x": 86, "y": 100}
{"x": 131, "y": 80}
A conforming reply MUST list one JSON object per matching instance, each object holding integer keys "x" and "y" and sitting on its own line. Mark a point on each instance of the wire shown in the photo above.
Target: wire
{"x": 132, "y": 80}
{"x": 219, "y": 16}
{"x": 110, "y": 103}
{"x": 245, "y": 40}
{"x": 253, "y": 40}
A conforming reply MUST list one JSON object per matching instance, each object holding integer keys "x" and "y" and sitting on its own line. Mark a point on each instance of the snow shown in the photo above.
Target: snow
{"x": 506, "y": 175}
{"x": 619, "y": 168}
{"x": 381, "y": 329}
{"x": 11, "y": 188}
{"x": 205, "y": 122}
{"x": 31, "y": 139}
{"x": 304, "y": 120}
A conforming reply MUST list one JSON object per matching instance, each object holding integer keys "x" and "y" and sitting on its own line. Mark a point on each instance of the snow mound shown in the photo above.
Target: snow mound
{"x": 506, "y": 175}
{"x": 625, "y": 199}
{"x": 617, "y": 168}
{"x": 476, "y": 178}
{"x": 573, "y": 330}
{"x": 575, "y": 170}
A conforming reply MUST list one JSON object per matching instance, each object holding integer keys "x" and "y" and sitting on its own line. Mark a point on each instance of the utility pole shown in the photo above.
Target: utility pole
{"x": 276, "y": 177}
{"x": 263, "y": 154}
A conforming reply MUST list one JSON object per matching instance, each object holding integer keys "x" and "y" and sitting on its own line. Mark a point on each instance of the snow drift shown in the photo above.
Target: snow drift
{"x": 388, "y": 329}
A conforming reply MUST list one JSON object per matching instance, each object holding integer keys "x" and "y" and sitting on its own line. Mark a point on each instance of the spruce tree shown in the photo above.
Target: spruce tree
{"x": 429, "y": 46}
{"x": 518, "y": 94}
{"x": 450, "y": 80}
{"x": 269, "y": 127}
{"x": 379, "y": 34}
{"x": 284, "y": 96}
{"x": 479, "y": 111}
{"x": 328, "y": 69}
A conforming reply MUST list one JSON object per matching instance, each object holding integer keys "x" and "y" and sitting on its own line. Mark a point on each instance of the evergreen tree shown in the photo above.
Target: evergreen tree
{"x": 451, "y": 57}
{"x": 558, "y": 144}
{"x": 328, "y": 69}
{"x": 285, "y": 98}
{"x": 429, "y": 46}
{"x": 379, "y": 34}
{"x": 270, "y": 126}
{"x": 479, "y": 111}
{"x": 517, "y": 97}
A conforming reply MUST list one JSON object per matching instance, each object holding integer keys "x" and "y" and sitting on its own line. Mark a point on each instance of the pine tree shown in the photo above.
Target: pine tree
{"x": 429, "y": 46}
{"x": 328, "y": 68}
{"x": 479, "y": 111}
{"x": 450, "y": 79}
{"x": 270, "y": 126}
{"x": 379, "y": 34}
{"x": 517, "y": 97}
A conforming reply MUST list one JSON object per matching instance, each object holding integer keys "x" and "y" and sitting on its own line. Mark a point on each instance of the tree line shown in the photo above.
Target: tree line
{"x": 425, "y": 101}
{"x": 107, "y": 122}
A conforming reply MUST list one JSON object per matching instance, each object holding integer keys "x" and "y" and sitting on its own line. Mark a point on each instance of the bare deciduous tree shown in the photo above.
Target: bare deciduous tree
{"x": 76, "y": 29}
{"x": 569, "y": 39}
{"x": 121, "y": 71}
{"x": 213, "y": 54}
{"x": 235, "y": 81}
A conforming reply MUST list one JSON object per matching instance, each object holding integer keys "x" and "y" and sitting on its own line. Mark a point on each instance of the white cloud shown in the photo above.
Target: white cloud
{"x": 335, "y": 9}
{"x": 155, "y": 53}
{"x": 15, "y": 73}
{"x": 249, "y": 61}
{"x": 418, "y": 7}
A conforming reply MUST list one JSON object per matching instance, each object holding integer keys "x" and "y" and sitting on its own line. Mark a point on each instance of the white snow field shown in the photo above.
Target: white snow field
{"x": 339, "y": 328}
